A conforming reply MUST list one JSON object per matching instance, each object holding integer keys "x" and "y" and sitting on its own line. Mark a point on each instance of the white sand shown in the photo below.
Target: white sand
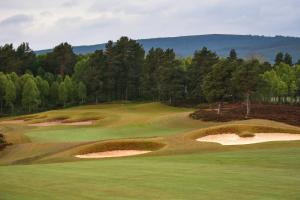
{"x": 110, "y": 154}
{"x": 56, "y": 123}
{"x": 234, "y": 139}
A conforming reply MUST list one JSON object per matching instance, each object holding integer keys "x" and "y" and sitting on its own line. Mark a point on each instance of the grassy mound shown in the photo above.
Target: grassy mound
{"x": 121, "y": 145}
{"x": 3, "y": 143}
{"x": 241, "y": 130}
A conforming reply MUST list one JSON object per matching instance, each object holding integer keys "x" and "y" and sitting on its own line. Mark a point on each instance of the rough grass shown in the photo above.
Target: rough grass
{"x": 121, "y": 145}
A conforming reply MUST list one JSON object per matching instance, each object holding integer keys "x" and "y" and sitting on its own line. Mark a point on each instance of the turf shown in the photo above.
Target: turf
{"x": 41, "y": 164}
{"x": 255, "y": 174}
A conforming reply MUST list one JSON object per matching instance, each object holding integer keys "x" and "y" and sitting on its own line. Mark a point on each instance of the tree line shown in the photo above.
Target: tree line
{"x": 123, "y": 71}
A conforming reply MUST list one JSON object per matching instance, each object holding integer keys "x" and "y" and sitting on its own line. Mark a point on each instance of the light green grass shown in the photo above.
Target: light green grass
{"x": 246, "y": 174}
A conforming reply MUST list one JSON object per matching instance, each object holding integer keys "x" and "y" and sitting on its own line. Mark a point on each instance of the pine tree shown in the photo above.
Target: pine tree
{"x": 279, "y": 58}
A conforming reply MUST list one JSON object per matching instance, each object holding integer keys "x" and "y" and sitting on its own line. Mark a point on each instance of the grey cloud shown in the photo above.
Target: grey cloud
{"x": 94, "y": 21}
{"x": 16, "y": 20}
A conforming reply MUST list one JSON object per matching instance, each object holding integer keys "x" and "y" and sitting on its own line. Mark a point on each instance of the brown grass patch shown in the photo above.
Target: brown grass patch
{"x": 282, "y": 113}
{"x": 122, "y": 145}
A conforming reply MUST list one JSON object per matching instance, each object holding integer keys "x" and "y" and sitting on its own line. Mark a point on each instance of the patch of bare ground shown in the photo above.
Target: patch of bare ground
{"x": 289, "y": 114}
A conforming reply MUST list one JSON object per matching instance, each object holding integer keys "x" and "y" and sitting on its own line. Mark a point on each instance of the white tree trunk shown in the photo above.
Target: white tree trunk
{"x": 247, "y": 105}
{"x": 219, "y": 108}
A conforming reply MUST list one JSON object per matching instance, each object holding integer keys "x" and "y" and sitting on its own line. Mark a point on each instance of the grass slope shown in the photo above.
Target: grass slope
{"x": 41, "y": 163}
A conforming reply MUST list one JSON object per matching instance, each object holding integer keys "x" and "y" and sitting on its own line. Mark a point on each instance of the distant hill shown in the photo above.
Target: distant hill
{"x": 245, "y": 45}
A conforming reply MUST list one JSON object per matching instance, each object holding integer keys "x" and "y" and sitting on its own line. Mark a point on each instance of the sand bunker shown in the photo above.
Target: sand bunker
{"x": 110, "y": 154}
{"x": 234, "y": 139}
{"x": 56, "y": 123}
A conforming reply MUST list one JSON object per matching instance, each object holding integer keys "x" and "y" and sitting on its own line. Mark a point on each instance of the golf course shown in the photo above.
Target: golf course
{"x": 45, "y": 158}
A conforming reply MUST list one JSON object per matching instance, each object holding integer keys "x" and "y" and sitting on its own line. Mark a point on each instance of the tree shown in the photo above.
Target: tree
{"x": 10, "y": 94}
{"x": 232, "y": 55}
{"x": 3, "y": 81}
{"x": 150, "y": 78}
{"x": 217, "y": 83}
{"x": 273, "y": 87}
{"x": 62, "y": 93}
{"x": 171, "y": 81}
{"x": 70, "y": 89}
{"x": 279, "y": 58}
{"x": 43, "y": 87}
{"x": 27, "y": 58}
{"x": 61, "y": 60}
{"x": 81, "y": 92}
{"x": 30, "y": 95}
{"x": 288, "y": 59}
{"x": 246, "y": 78}
{"x": 202, "y": 63}
{"x": 54, "y": 91}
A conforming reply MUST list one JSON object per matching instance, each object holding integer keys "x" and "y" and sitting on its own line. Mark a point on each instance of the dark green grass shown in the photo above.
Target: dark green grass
{"x": 242, "y": 174}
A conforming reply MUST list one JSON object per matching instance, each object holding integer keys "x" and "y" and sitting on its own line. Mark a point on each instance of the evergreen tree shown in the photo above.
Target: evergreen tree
{"x": 153, "y": 62}
{"x": 246, "y": 78}
{"x": 202, "y": 63}
{"x": 217, "y": 84}
{"x": 232, "y": 55}
{"x": 62, "y": 60}
{"x": 288, "y": 59}
{"x": 279, "y": 58}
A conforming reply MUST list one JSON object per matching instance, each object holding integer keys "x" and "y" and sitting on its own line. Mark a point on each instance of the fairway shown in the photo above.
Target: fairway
{"x": 41, "y": 163}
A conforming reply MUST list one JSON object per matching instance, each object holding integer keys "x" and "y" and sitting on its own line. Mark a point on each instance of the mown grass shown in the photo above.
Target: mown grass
{"x": 41, "y": 163}
{"x": 245, "y": 174}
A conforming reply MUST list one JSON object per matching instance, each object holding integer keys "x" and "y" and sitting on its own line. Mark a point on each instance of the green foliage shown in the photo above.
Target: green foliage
{"x": 10, "y": 94}
{"x": 62, "y": 93}
{"x": 122, "y": 72}
{"x": 62, "y": 60}
{"x": 54, "y": 93}
{"x": 217, "y": 84}
{"x": 82, "y": 92}
{"x": 30, "y": 95}
{"x": 201, "y": 65}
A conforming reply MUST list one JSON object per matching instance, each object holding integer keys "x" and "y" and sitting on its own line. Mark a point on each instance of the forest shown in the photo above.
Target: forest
{"x": 124, "y": 71}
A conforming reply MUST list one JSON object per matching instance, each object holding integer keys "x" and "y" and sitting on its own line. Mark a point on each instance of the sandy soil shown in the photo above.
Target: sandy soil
{"x": 110, "y": 154}
{"x": 12, "y": 122}
{"x": 56, "y": 123}
{"x": 83, "y": 123}
{"x": 234, "y": 139}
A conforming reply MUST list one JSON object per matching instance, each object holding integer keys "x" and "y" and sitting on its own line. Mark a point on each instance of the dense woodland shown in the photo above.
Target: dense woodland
{"x": 124, "y": 71}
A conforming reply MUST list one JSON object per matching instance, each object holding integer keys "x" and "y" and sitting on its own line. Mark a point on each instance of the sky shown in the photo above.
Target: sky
{"x": 45, "y": 23}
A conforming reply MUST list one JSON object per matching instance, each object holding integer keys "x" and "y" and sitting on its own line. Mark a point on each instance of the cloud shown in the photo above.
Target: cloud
{"x": 16, "y": 20}
{"x": 47, "y": 23}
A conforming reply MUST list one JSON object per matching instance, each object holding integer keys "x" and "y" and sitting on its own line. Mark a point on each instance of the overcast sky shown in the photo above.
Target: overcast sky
{"x": 45, "y": 23}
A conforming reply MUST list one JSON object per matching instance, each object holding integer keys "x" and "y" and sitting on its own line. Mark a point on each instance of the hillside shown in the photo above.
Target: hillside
{"x": 246, "y": 45}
